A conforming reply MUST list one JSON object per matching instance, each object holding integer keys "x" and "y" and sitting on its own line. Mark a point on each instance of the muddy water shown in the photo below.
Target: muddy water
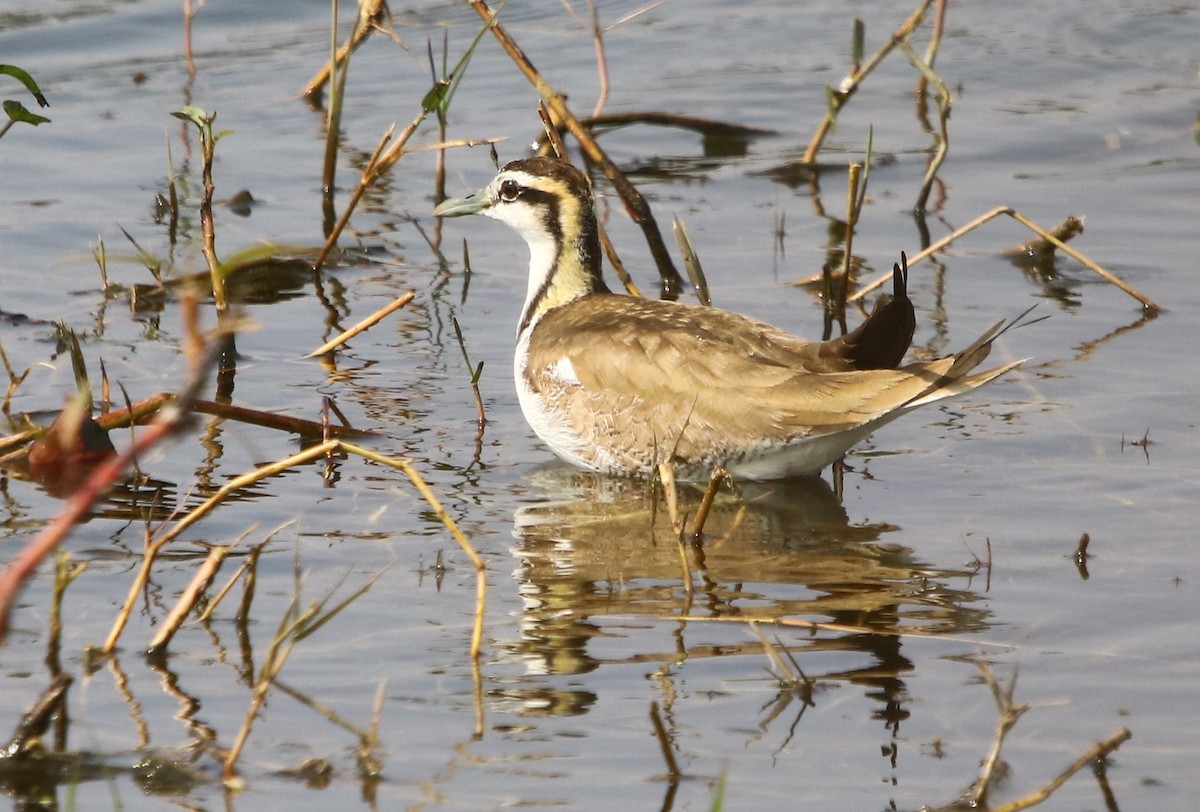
{"x": 952, "y": 540}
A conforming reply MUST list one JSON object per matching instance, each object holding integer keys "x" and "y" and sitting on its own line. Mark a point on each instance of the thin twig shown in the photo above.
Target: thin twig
{"x": 364, "y": 325}
{"x": 840, "y": 95}
{"x": 718, "y": 476}
{"x": 187, "y": 601}
{"x": 1096, "y": 753}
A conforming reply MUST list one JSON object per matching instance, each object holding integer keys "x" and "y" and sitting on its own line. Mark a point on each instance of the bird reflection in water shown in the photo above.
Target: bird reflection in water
{"x": 600, "y": 571}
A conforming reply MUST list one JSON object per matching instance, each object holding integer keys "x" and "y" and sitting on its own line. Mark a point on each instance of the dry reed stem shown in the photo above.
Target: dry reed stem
{"x": 935, "y": 41}
{"x": 618, "y": 267}
{"x": 272, "y": 469}
{"x": 449, "y": 523}
{"x": 147, "y": 407}
{"x": 598, "y": 32}
{"x": 553, "y": 136}
{"x": 666, "y": 475}
{"x": 211, "y": 607}
{"x": 101, "y": 479}
{"x": 187, "y": 600}
{"x": 635, "y": 203}
{"x": 786, "y": 673}
{"x": 1032, "y": 226}
{"x": 718, "y": 476}
{"x": 371, "y": 14}
{"x": 1037, "y": 247}
{"x": 364, "y": 182}
{"x": 364, "y": 325}
{"x": 278, "y": 422}
{"x": 1096, "y": 753}
{"x": 199, "y": 512}
{"x": 839, "y": 96}
{"x": 943, "y": 135}
{"x": 188, "y": 14}
{"x": 247, "y": 563}
{"x": 1008, "y": 712}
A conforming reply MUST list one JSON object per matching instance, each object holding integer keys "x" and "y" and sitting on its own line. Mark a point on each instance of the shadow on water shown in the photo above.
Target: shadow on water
{"x": 599, "y": 558}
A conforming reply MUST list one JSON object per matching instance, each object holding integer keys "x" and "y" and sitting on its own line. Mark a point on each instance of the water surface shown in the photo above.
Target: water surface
{"x": 1065, "y": 109}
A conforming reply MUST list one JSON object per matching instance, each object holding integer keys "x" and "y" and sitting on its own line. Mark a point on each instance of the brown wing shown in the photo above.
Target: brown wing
{"x": 658, "y": 368}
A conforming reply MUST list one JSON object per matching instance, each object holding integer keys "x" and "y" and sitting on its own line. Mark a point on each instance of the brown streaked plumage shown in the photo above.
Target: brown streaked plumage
{"x": 619, "y": 384}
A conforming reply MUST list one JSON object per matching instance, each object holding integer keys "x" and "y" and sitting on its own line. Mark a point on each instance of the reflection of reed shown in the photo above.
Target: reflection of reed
{"x": 600, "y": 547}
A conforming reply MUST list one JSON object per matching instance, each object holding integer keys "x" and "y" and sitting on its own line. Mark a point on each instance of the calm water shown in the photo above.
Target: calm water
{"x": 1084, "y": 108}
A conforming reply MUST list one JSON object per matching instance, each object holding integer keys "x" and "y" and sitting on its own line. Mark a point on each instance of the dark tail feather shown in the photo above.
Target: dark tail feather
{"x": 881, "y": 341}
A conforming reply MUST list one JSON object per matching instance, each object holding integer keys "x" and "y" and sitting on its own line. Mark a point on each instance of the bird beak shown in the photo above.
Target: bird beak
{"x": 458, "y": 206}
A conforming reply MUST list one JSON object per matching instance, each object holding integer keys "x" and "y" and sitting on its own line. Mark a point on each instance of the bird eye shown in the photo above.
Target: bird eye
{"x": 510, "y": 190}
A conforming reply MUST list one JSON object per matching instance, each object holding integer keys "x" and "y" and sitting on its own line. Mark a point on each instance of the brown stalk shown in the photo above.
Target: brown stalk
{"x": 279, "y": 422}
{"x": 364, "y": 325}
{"x": 1094, "y": 755}
{"x": 277, "y": 467}
{"x": 942, "y": 137}
{"x": 1009, "y": 711}
{"x": 223, "y": 493}
{"x": 372, "y": 14}
{"x": 935, "y": 42}
{"x": 635, "y": 203}
{"x": 719, "y": 475}
{"x": 188, "y": 14}
{"x": 666, "y": 474}
{"x": 838, "y": 97}
{"x": 449, "y": 523}
{"x": 187, "y": 601}
{"x": 244, "y": 569}
{"x": 1032, "y": 226}
{"x": 364, "y": 183}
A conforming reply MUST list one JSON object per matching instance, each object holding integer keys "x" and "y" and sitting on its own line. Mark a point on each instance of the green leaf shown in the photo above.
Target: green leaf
{"x": 437, "y": 100}
{"x": 195, "y": 115}
{"x": 27, "y": 80}
{"x": 17, "y": 112}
